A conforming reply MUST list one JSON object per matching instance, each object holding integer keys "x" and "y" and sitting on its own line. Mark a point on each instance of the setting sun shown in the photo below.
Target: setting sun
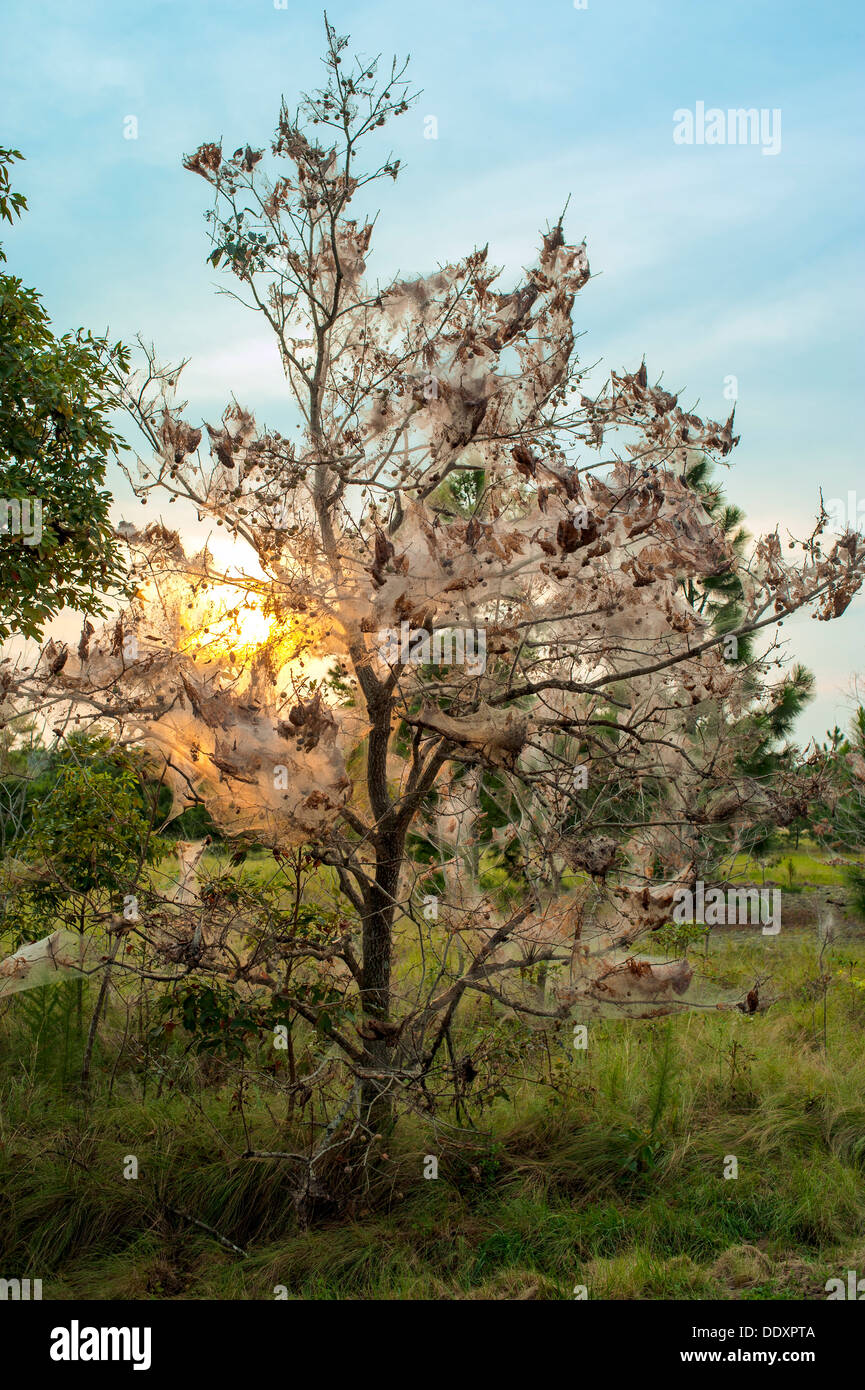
{"x": 224, "y": 620}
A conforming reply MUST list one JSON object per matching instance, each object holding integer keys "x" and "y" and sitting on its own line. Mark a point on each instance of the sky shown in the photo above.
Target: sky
{"x": 732, "y": 267}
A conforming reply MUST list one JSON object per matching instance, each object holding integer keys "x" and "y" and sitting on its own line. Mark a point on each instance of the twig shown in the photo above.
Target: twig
{"x": 185, "y": 1216}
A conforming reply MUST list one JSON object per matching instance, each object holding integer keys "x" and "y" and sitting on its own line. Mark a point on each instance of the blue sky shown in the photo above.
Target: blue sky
{"x": 712, "y": 260}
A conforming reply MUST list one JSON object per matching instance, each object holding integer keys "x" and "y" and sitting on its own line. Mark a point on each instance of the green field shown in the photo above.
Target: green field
{"x": 801, "y": 867}
{"x": 608, "y": 1174}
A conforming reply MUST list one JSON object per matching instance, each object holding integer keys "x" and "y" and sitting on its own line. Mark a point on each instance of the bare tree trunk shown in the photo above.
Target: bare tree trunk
{"x": 376, "y": 1102}
{"x": 84, "y": 1082}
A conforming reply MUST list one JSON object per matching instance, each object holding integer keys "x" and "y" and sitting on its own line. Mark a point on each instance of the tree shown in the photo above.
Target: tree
{"x": 57, "y": 545}
{"x": 475, "y": 589}
{"x": 79, "y": 858}
{"x": 837, "y": 820}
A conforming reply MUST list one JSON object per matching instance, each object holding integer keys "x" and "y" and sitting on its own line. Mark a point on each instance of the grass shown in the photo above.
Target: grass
{"x": 791, "y": 867}
{"x": 612, "y": 1178}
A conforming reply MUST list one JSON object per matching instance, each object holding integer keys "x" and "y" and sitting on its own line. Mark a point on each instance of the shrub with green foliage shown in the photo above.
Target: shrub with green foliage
{"x": 89, "y": 832}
